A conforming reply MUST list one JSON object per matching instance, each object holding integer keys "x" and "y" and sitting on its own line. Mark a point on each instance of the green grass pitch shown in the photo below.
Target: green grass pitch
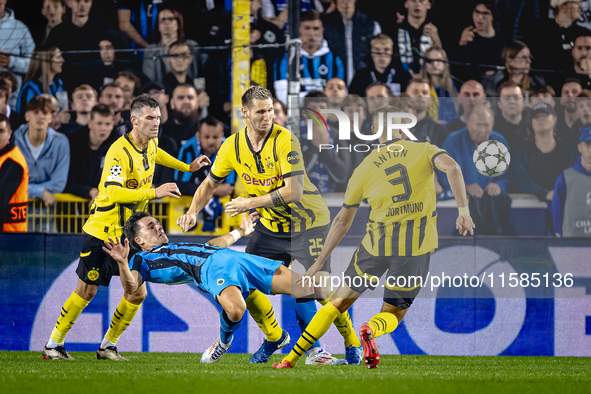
{"x": 27, "y": 372}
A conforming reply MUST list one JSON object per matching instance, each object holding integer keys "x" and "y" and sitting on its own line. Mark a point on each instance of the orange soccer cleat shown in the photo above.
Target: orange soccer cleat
{"x": 282, "y": 365}
{"x": 371, "y": 356}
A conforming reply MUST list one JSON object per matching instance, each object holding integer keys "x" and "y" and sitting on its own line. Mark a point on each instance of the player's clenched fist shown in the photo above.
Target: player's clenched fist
{"x": 187, "y": 221}
{"x": 200, "y": 162}
{"x": 168, "y": 190}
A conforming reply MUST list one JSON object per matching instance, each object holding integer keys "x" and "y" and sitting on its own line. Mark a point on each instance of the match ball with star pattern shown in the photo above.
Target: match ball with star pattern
{"x": 491, "y": 158}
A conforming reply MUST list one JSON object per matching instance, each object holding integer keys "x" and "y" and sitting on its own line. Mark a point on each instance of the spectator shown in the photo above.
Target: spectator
{"x": 58, "y": 118}
{"x": 16, "y": 46}
{"x": 426, "y": 130}
{"x": 318, "y": 63}
{"x": 378, "y": 94}
{"x": 471, "y": 94}
{"x": 324, "y": 167}
{"x": 554, "y": 41}
{"x": 46, "y": 151}
{"x": 170, "y": 32}
{"x": 130, "y": 84}
{"x": 347, "y": 31}
{"x": 112, "y": 95}
{"x": 280, "y": 117}
{"x": 436, "y": 71}
{"x": 517, "y": 64}
{"x": 481, "y": 43}
{"x": 45, "y": 65}
{"x": 109, "y": 65}
{"x": 537, "y": 165}
{"x": 571, "y": 202}
{"x": 180, "y": 60}
{"x": 185, "y": 111}
{"x": 513, "y": 118}
{"x": 15, "y": 119}
{"x": 156, "y": 90}
{"x": 84, "y": 98}
{"x": 53, "y": 11}
{"x": 336, "y": 91}
{"x": 14, "y": 182}
{"x": 416, "y": 34}
{"x": 568, "y": 126}
{"x": 544, "y": 95}
{"x": 138, "y": 19}
{"x": 351, "y": 106}
{"x": 80, "y": 32}
{"x": 581, "y": 54}
{"x": 380, "y": 69}
{"x": 88, "y": 146}
{"x": 11, "y": 81}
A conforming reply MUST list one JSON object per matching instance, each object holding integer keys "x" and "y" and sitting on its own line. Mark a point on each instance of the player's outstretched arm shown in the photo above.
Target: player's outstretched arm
{"x": 119, "y": 252}
{"x": 202, "y": 196}
{"x": 292, "y": 191}
{"x": 338, "y": 229}
{"x": 165, "y": 159}
{"x": 246, "y": 228}
{"x": 447, "y": 164}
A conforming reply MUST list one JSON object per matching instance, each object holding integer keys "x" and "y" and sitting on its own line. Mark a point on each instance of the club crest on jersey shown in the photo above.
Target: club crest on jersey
{"x": 93, "y": 274}
{"x": 269, "y": 164}
{"x": 293, "y": 157}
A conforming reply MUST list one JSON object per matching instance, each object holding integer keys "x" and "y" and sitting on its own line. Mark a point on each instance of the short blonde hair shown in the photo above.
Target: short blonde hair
{"x": 85, "y": 87}
{"x": 382, "y": 39}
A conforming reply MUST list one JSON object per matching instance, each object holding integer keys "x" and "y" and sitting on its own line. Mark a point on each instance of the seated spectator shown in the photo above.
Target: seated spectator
{"x": 78, "y": 33}
{"x": 170, "y": 32}
{"x": 110, "y": 64}
{"x": 156, "y": 90}
{"x": 15, "y": 119}
{"x": 471, "y": 94}
{"x": 347, "y": 31}
{"x": 568, "y": 125}
{"x": 317, "y": 61}
{"x": 84, "y": 98}
{"x": 280, "y": 117}
{"x": 336, "y": 91}
{"x": 537, "y": 165}
{"x": 481, "y": 43}
{"x": 513, "y": 117}
{"x": 14, "y": 182}
{"x": 426, "y": 130}
{"x": 377, "y": 94}
{"x": 436, "y": 71}
{"x": 41, "y": 78}
{"x": 581, "y": 54}
{"x": 416, "y": 35}
{"x": 185, "y": 112}
{"x": 46, "y": 151}
{"x": 58, "y": 118}
{"x": 571, "y": 202}
{"x": 584, "y": 109}
{"x": 112, "y": 95}
{"x": 130, "y": 84}
{"x": 16, "y": 47}
{"x": 324, "y": 167}
{"x": 12, "y": 83}
{"x": 137, "y": 19}
{"x": 53, "y": 11}
{"x": 88, "y": 146}
{"x": 353, "y": 105}
{"x": 180, "y": 58}
{"x": 544, "y": 95}
{"x": 381, "y": 69}
{"x": 518, "y": 61}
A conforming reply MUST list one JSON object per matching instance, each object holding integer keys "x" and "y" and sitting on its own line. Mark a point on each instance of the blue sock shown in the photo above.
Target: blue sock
{"x": 227, "y": 327}
{"x": 305, "y": 310}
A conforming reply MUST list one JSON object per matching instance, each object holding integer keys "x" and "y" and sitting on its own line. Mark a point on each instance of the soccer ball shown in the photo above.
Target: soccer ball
{"x": 491, "y": 158}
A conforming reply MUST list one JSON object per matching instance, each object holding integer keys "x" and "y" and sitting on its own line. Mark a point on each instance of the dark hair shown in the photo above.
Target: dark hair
{"x": 141, "y": 101}
{"x": 255, "y": 93}
{"x": 508, "y": 85}
{"x": 4, "y": 118}
{"x": 10, "y": 76}
{"x": 316, "y": 94}
{"x": 545, "y": 89}
{"x": 132, "y": 77}
{"x": 4, "y": 88}
{"x": 179, "y": 43}
{"x": 210, "y": 121}
{"x": 377, "y": 83}
{"x": 101, "y": 109}
{"x": 130, "y": 229}
{"x": 490, "y": 4}
{"x": 182, "y": 85}
{"x": 276, "y": 100}
{"x": 572, "y": 80}
{"x": 179, "y": 19}
{"x": 309, "y": 15}
{"x": 419, "y": 80}
{"x": 109, "y": 85}
{"x": 586, "y": 93}
{"x": 39, "y": 103}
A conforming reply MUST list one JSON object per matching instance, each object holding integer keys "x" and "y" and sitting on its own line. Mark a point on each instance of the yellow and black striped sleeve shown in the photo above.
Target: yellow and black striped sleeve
{"x": 433, "y": 151}
{"x": 289, "y": 155}
{"x": 223, "y": 162}
{"x": 354, "y": 192}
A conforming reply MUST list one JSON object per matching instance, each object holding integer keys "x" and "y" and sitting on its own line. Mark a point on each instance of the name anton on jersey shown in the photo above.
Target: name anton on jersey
{"x": 404, "y": 209}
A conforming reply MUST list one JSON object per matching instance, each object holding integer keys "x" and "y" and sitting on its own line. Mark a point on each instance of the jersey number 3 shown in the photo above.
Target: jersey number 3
{"x": 401, "y": 179}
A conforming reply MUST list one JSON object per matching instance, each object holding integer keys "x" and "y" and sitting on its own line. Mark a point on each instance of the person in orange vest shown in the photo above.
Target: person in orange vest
{"x": 14, "y": 182}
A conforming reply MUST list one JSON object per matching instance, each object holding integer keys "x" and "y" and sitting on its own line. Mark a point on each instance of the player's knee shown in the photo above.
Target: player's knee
{"x": 86, "y": 291}
{"x": 321, "y": 293}
{"x": 235, "y": 310}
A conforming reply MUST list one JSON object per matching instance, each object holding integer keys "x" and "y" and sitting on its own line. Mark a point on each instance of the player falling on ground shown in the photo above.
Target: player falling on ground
{"x": 398, "y": 183}
{"x": 230, "y": 276}
{"x": 125, "y": 187}
{"x": 294, "y": 217}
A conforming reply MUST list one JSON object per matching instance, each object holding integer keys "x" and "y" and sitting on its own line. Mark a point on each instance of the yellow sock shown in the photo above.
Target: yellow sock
{"x": 344, "y": 324}
{"x": 72, "y": 308}
{"x": 383, "y": 323}
{"x": 261, "y": 310}
{"x": 122, "y": 317}
{"x": 316, "y": 329}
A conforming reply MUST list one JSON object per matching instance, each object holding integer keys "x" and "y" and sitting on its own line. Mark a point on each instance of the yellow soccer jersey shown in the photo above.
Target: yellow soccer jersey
{"x": 262, "y": 172}
{"x": 400, "y": 189}
{"x": 126, "y": 185}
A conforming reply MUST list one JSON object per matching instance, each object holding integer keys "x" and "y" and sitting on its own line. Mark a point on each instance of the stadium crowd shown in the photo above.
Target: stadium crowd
{"x": 514, "y": 71}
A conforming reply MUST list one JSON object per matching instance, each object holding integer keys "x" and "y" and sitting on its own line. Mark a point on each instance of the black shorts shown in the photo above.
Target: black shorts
{"x": 404, "y": 277}
{"x": 96, "y": 267}
{"x": 304, "y": 247}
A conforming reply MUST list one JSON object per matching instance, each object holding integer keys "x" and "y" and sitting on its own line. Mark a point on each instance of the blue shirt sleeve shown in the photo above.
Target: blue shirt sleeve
{"x": 557, "y": 204}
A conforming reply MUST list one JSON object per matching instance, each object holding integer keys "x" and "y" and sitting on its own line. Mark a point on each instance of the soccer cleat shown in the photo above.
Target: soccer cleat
{"x": 268, "y": 348}
{"x": 317, "y": 356}
{"x": 215, "y": 352}
{"x": 109, "y": 353}
{"x": 282, "y": 365}
{"x": 353, "y": 355}
{"x": 58, "y": 353}
{"x": 371, "y": 356}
